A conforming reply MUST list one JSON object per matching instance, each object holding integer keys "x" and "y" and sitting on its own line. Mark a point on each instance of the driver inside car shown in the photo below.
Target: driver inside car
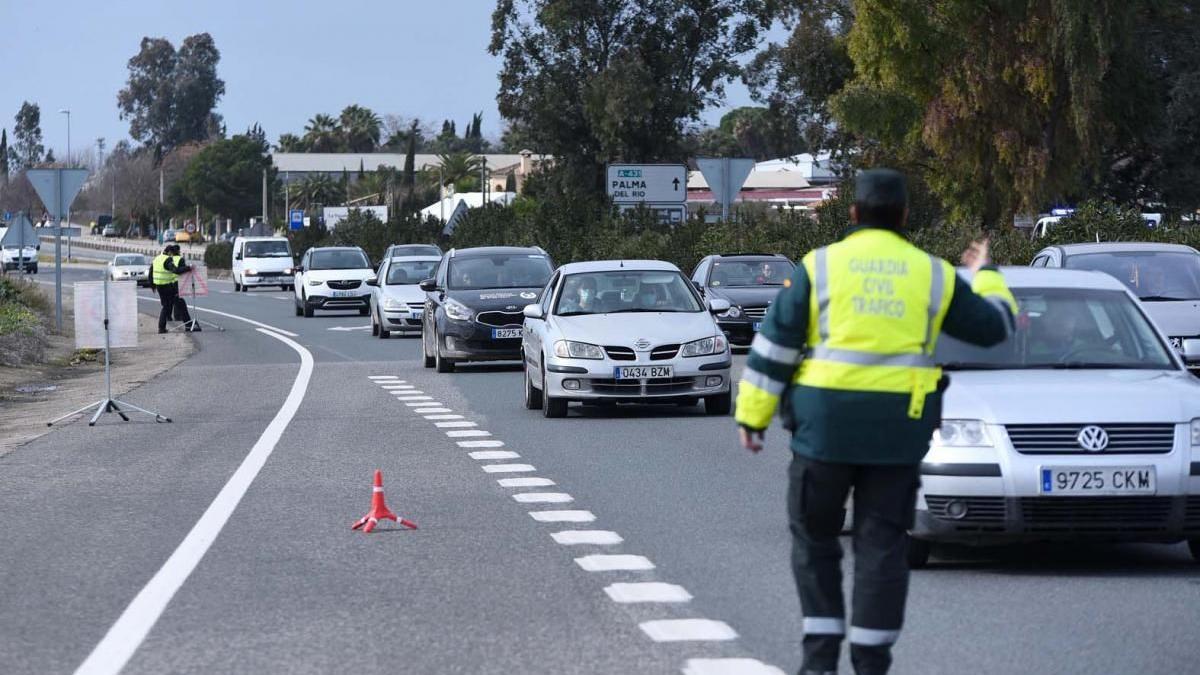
{"x": 1057, "y": 333}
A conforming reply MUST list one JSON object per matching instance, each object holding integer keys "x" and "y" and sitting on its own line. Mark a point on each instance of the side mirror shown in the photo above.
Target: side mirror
{"x": 373, "y": 282}
{"x": 535, "y": 312}
{"x": 428, "y": 285}
{"x": 298, "y": 269}
{"x": 1191, "y": 351}
{"x": 237, "y": 257}
{"x": 718, "y": 305}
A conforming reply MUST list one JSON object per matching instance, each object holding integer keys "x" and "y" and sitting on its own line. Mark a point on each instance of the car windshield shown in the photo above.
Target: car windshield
{"x": 129, "y": 260}
{"x": 338, "y": 260}
{"x": 402, "y": 272}
{"x": 749, "y": 273}
{"x": 268, "y": 249}
{"x": 625, "y": 291}
{"x": 1151, "y": 275}
{"x": 402, "y": 250}
{"x": 1066, "y": 328}
{"x": 503, "y": 270}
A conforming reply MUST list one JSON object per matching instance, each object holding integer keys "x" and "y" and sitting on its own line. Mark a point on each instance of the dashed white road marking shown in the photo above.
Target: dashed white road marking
{"x": 481, "y": 444}
{"x": 421, "y": 404}
{"x": 602, "y": 562}
{"x": 543, "y": 497}
{"x": 397, "y": 387}
{"x": 407, "y": 392}
{"x": 596, "y": 537}
{"x": 414, "y": 398}
{"x": 443, "y": 417}
{"x": 493, "y": 454}
{"x": 524, "y": 482}
{"x": 729, "y": 667}
{"x": 649, "y": 591}
{"x": 685, "y": 630}
{"x": 395, "y": 378}
{"x": 460, "y": 424}
{"x": 562, "y": 516}
{"x": 507, "y": 468}
{"x": 467, "y": 433}
{"x": 422, "y": 411}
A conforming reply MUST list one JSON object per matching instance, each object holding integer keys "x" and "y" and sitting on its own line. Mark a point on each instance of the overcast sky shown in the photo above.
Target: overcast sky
{"x": 282, "y": 62}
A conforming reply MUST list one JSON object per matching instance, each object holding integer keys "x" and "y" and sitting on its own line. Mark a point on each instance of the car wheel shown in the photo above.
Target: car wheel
{"x": 1194, "y": 546}
{"x": 426, "y": 359}
{"x": 383, "y": 332}
{"x": 918, "y": 553}
{"x": 440, "y": 363}
{"x": 533, "y": 395}
{"x": 308, "y": 309}
{"x": 35, "y": 269}
{"x": 374, "y": 326}
{"x": 237, "y": 288}
{"x": 299, "y": 310}
{"x": 245, "y": 288}
{"x": 552, "y": 407}
{"x": 719, "y": 404}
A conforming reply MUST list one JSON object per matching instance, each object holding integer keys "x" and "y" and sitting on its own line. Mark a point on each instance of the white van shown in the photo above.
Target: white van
{"x": 262, "y": 261}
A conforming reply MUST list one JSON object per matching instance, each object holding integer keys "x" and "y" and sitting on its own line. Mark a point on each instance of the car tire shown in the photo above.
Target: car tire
{"x": 299, "y": 310}
{"x": 308, "y": 309}
{"x": 35, "y": 269}
{"x": 382, "y": 332}
{"x": 374, "y": 326}
{"x": 237, "y": 288}
{"x": 426, "y": 359}
{"x": 720, "y": 404}
{"x": 1194, "y": 547}
{"x": 552, "y": 407}
{"x": 440, "y": 363}
{"x": 919, "y": 551}
{"x": 533, "y": 395}
{"x": 245, "y": 288}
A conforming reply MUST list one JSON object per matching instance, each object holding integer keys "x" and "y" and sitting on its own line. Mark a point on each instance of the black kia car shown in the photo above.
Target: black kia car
{"x": 474, "y": 304}
{"x": 750, "y": 282}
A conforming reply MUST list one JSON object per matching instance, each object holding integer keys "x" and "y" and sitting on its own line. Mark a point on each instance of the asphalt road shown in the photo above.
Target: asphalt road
{"x": 490, "y": 583}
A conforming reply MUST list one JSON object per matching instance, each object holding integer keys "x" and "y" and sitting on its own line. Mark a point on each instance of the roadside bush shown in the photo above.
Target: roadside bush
{"x": 219, "y": 256}
{"x": 22, "y": 331}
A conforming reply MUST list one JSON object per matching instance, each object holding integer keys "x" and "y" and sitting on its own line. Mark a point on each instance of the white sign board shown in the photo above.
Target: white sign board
{"x": 335, "y": 214}
{"x": 57, "y": 188}
{"x": 89, "y": 314}
{"x": 654, "y": 183}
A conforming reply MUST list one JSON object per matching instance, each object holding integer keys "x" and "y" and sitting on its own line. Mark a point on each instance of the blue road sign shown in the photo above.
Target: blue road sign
{"x": 296, "y": 218}
{"x": 7, "y": 216}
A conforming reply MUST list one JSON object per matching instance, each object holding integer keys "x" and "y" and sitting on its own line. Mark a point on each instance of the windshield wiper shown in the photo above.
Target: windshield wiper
{"x": 1163, "y": 298}
{"x": 976, "y": 365}
{"x": 646, "y": 311}
{"x": 1089, "y": 365}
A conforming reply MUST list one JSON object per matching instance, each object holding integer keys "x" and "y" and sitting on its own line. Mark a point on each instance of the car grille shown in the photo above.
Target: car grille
{"x": 620, "y": 353}
{"x": 416, "y": 306}
{"x": 344, "y": 284}
{"x": 1095, "y": 514}
{"x": 979, "y": 509}
{"x": 653, "y": 386}
{"x": 1042, "y": 439}
{"x": 664, "y": 352}
{"x": 755, "y": 312}
{"x": 280, "y": 274}
{"x": 501, "y": 319}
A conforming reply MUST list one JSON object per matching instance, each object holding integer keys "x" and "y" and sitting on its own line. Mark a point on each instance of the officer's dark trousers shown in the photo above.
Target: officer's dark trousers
{"x": 167, "y": 295}
{"x": 884, "y": 498}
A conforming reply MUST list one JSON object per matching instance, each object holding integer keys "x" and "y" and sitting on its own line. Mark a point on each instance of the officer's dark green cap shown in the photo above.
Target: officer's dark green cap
{"x": 880, "y": 188}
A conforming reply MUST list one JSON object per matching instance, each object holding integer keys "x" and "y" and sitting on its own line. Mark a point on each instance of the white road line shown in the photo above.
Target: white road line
{"x": 385, "y": 377}
{"x": 422, "y": 411}
{"x": 686, "y": 630}
{"x": 543, "y": 497}
{"x": 232, "y": 316}
{"x": 596, "y": 537}
{"x": 126, "y": 635}
{"x": 562, "y": 516}
{"x": 493, "y": 454}
{"x": 414, "y": 398}
{"x": 421, "y": 404}
{"x": 614, "y": 563}
{"x": 461, "y": 424}
{"x": 394, "y": 387}
{"x": 407, "y": 392}
{"x": 649, "y": 591}
{"x": 507, "y": 468}
{"x": 524, "y": 482}
{"x": 481, "y": 444}
{"x": 443, "y": 417}
{"x": 729, "y": 667}
{"x": 467, "y": 433}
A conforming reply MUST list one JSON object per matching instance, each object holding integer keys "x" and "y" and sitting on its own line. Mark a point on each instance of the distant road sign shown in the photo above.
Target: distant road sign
{"x": 189, "y": 227}
{"x": 57, "y": 188}
{"x": 725, "y": 177}
{"x": 652, "y": 183}
{"x": 296, "y": 218}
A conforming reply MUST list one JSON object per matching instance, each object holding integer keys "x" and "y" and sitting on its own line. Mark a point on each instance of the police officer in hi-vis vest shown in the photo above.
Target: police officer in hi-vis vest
{"x": 164, "y": 277}
{"x": 848, "y": 346}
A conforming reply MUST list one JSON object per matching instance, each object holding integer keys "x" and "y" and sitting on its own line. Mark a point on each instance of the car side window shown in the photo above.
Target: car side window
{"x": 700, "y": 272}
{"x": 1041, "y": 261}
{"x": 440, "y": 275}
{"x": 381, "y": 273}
{"x": 548, "y": 293}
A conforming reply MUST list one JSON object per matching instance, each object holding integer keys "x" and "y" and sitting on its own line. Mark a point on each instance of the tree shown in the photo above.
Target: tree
{"x": 170, "y": 95}
{"x": 256, "y": 134}
{"x": 459, "y": 167}
{"x": 594, "y": 82}
{"x": 321, "y": 134}
{"x": 3, "y": 157}
{"x": 226, "y": 177}
{"x": 289, "y": 143}
{"x": 750, "y": 131}
{"x": 360, "y": 129}
{"x": 410, "y": 159}
{"x": 317, "y": 190}
{"x": 27, "y": 136}
{"x": 50, "y": 157}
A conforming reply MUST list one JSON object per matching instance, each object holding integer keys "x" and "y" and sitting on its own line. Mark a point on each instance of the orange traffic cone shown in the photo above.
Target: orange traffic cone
{"x": 379, "y": 510}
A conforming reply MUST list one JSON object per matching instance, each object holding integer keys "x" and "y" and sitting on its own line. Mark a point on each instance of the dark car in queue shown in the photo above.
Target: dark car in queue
{"x": 474, "y": 304}
{"x": 749, "y": 282}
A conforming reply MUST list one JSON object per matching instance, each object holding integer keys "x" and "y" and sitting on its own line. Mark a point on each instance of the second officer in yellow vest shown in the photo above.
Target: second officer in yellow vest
{"x": 848, "y": 347}
{"x": 164, "y": 277}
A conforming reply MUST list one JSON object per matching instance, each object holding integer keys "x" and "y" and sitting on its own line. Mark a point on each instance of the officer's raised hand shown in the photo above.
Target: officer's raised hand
{"x": 977, "y": 255}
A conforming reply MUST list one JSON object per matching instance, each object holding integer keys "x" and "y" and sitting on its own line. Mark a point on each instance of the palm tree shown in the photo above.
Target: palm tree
{"x": 321, "y": 134}
{"x": 360, "y": 128}
{"x": 318, "y": 189}
{"x": 457, "y": 166}
{"x": 289, "y": 143}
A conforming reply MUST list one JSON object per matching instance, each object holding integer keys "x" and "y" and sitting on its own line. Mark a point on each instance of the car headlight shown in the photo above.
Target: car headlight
{"x": 733, "y": 312}
{"x": 1195, "y": 432}
{"x": 704, "y": 347}
{"x": 251, "y": 273}
{"x": 288, "y": 271}
{"x": 962, "y": 434}
{"x": 458, "y": 311}
{"x": 392, "y": 303}
{"x": 315, "y": 282}
{"x": 566, "y": 349}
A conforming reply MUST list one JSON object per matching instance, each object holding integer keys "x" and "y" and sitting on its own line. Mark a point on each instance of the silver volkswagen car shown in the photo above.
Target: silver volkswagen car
{"x": 624, "y": 331}
{"x": 1084, "y": 425}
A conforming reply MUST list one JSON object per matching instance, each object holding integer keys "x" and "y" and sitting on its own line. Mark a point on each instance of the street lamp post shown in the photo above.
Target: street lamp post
{"x": 67, "y": 112}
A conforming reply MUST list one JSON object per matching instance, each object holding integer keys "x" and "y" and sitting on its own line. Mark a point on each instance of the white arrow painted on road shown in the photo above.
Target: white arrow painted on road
{"x": 350, "y": 328}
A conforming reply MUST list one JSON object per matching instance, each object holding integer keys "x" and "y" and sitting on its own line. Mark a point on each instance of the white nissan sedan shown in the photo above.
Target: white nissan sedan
{"x": 624, "y": 331}
{"x": 1084, "y": 425}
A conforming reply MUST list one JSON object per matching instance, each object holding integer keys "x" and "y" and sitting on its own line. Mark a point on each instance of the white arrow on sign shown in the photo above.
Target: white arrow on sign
{"x": 349, "y": 328}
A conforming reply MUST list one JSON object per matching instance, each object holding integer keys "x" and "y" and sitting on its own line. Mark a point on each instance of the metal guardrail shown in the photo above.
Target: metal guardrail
{"x": 100, "y": 244}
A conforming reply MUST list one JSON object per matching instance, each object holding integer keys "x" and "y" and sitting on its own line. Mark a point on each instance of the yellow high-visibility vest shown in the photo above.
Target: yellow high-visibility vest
{"x": 159, "y": 274}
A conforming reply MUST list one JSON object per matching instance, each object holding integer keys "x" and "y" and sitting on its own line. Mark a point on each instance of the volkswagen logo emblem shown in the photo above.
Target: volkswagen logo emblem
{"x": 1092, "y": 438}
{"x": 642, "y": 344}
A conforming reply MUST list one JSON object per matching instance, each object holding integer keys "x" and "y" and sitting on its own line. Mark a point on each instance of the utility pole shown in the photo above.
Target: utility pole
{"x": 264, "y": 210}
{"x": 67, "y": 111}
{"x": 441, "y": 195}
{"x": 100, "y": 148}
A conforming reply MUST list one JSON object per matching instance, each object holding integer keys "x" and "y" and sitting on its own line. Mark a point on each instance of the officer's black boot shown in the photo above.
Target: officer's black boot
{"x": 871, "y": 660}
{"x": 821, "y": 654}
